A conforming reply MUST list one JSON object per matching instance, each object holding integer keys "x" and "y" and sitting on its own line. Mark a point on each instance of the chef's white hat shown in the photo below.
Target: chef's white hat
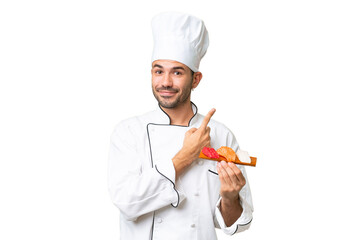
{"x": 179, "y": 37}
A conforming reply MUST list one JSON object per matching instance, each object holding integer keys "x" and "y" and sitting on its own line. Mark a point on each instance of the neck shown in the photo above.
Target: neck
{"x": 180, "y": 115}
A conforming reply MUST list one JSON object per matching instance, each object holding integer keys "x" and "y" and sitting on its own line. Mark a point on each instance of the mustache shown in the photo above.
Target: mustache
{"x": 169, "y": 89}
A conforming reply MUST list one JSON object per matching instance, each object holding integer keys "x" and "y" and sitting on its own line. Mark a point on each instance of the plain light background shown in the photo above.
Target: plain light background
{"x": 283, "y": 75}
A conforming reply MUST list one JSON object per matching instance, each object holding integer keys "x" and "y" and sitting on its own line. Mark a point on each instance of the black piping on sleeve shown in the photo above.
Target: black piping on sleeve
{"x": 152, "y": 165}
{"x": 178, "y": 197}
{"x": 237, "y": 226}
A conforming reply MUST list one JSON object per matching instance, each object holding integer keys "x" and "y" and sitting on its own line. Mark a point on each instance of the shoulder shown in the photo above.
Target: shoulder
{"x": 222, "y": 129}
{"x": 219, "y": 125}
{"x": 133, "y": 123}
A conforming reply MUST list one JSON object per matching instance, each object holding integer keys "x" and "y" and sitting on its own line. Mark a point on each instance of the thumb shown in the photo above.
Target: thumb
{"x": 192, "y": 130}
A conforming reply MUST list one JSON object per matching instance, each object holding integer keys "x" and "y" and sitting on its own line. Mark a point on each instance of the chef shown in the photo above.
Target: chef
{"x": 161, "y": 187}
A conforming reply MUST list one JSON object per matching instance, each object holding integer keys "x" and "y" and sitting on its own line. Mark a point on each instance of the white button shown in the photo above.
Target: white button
{"x": 192, "y": 225}
{"x": 159, "y": 220}
{"x": 196, "y": 194}
{"x": 200, "y": 162}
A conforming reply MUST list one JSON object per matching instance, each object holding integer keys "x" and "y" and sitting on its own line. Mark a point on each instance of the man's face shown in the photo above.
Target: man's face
{"x": 171, "y": 83}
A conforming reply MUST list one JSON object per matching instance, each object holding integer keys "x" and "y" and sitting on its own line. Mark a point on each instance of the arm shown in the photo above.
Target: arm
{"x": 194, "y": 141}
{"x": 233, "y": 217}
{"x": 231, "y": 210}
{"x": 234, "y": 209}
{"x": 232, "y": 181}
{"x": 134, "y": 189}
{"x": 137, "y": 190}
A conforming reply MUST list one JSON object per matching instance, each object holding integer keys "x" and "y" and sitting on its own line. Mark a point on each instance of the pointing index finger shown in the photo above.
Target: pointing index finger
{"x": 207, "y": 118}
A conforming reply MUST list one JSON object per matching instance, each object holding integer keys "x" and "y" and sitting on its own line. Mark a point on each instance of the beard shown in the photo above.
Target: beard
{"x": 169, "y": 102}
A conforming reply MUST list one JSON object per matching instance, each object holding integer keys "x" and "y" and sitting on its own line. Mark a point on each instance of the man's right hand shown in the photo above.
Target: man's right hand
{"x": 194, "y": 141}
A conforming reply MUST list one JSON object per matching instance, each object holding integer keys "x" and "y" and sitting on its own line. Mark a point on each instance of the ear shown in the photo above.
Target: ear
{"x": 196, "y": 79}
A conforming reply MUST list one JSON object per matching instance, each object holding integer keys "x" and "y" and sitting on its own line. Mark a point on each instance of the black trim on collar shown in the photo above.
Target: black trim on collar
{"x": 192, "y": 104}
{"x": 196, "y": 110}
{"x": 165, "y": 113}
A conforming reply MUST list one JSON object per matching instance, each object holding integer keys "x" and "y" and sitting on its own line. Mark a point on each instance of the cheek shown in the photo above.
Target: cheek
{"x": 181, "y": 83}
{"x": 154, "y": 82}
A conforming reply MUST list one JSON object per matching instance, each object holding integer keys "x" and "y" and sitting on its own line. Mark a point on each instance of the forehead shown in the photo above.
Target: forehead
{"x": 169, "y": 64}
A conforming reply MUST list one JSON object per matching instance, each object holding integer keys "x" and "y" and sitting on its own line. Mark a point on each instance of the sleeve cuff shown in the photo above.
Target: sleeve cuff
{"x": 167, "y": 170}
{"x": 241, "y": 224}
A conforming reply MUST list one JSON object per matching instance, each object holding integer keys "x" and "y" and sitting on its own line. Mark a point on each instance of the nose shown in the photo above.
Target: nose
{"x": 166, "y": 80}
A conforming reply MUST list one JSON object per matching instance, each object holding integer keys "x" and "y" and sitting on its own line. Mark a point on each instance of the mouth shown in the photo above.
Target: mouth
{"x": 167, "y": 93}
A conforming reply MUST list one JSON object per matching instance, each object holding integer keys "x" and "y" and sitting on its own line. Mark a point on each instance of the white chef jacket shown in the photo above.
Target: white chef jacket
{"x": 152, "y": 203}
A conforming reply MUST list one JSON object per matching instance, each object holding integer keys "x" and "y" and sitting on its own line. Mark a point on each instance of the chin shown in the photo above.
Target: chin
{"x": 168, "y": 104}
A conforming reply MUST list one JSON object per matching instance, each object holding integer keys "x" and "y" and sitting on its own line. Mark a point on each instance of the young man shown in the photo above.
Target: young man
{"x": 162, "y": 189}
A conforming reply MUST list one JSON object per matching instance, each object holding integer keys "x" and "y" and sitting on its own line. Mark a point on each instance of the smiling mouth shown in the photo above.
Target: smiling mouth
{"x": 167, "y": 93}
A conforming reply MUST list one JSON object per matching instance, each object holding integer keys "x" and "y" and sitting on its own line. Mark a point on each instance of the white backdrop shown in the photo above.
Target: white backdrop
{"x": 282, "y": 74}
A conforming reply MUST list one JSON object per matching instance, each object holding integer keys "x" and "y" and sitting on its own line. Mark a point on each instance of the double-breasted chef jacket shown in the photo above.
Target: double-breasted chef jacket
{"x": 152, "y": 203}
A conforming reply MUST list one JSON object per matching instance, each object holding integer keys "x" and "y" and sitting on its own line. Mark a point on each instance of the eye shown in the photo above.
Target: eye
{"x": 177, "y": 73}
{"x": 158, "y": 72}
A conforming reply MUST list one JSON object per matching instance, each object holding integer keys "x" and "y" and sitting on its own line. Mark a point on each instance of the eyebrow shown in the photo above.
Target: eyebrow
{"x": 157, "y": 65}
{"x": 174, "y": 68}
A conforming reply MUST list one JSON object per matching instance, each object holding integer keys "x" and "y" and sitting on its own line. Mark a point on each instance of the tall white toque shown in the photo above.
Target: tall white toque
{"x": 179, "y": 37}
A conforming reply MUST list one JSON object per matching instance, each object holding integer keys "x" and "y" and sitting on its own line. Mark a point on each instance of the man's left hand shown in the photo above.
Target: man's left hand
{"x": 231, "y": 179}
